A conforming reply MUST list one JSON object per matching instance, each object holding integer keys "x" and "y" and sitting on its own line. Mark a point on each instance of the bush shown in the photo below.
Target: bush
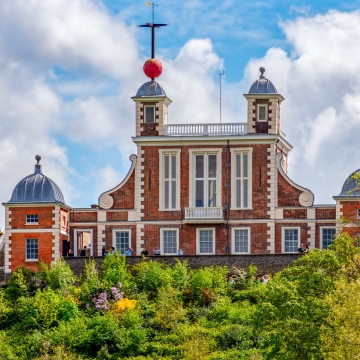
{"x": 58, "y": 276}
{"x": 17, "y": 285}
{"x": 238, "y": 336}
{"x": 114, "y": 271}
{"x": 151, "y": 276}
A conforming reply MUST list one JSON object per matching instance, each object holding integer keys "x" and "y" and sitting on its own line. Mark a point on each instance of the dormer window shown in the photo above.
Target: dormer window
{"x": 32, "y": 219}
{"x": 262, "y": 113}
{"x": 149, "y": 114}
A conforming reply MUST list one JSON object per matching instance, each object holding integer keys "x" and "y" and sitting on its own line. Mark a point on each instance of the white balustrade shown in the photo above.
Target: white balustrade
{"x": 201, "y": 213}
{"x": 205, "y": 129}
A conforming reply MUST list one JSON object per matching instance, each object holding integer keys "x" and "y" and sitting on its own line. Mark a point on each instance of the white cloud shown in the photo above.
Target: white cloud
{"x": 107, "y": 178}
{"x": 322, "y": 90}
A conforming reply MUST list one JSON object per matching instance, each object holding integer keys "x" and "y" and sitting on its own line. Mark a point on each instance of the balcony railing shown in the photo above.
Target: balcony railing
{"x": 205, "y": 129}
{"x": 201, "y": 213}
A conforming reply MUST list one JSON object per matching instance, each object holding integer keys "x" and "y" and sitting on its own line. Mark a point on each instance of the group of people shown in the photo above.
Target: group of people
{"x": 303, "y": 249}
{"x": 262, "y": 279}
{"x": 157, "y": 252}
{"x": 112, "y": 250}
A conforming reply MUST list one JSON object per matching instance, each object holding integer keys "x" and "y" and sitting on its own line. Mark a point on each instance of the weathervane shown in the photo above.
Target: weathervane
{"x": 152, "y": 67}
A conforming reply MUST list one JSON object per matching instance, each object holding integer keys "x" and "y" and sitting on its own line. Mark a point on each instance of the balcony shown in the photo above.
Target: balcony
{"x": 204, "y": 215}
{"x": 205, "y": 129}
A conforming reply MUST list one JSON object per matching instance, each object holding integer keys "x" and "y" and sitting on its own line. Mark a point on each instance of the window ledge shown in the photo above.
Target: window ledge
{"x": 32, "y": 260}
{"x": 31, "y": 223}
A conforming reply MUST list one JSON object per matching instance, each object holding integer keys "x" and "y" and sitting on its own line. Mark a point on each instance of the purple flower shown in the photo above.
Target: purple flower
{"x": 101, "y": 302}
{"x": 116, "y": 293}
{"x": 87, "y": 306}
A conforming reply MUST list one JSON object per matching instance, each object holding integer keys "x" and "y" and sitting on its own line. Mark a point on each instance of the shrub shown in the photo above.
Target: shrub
{"x": 58, "y": 276}
{"x": 17, "y": 285}
{"x": 115, "y": 270}
{"x": 151, "y": 276}
{"x": 238, "y": 336}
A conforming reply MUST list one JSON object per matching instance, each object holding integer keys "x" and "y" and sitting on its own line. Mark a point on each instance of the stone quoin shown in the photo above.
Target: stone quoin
{"x": 208, "y": 189}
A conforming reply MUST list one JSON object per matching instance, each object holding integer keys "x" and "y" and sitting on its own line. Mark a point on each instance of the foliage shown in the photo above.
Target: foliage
{"x": 340, "y": 333}
{"x": 154, "y": 311}
{"x": 58, "y": 276}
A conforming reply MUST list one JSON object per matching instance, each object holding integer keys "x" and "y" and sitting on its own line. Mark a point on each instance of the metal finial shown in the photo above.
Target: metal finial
{"x": 38, "y": 158}
{"x": 262, "y": 70}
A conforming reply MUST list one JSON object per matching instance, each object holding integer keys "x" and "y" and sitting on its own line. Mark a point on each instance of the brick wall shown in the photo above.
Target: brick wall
{"x": 116, "y": 216}
{"x": 326, "y": 213}
{"x": 18, "y": 249}
{"x": 124, "y": 198}
{"x": 18, "y": 217}
{"x": 295, "y": 213}
{"x": 265, "y": 263}
{"x": 83, "y": 216}
{"x": 287, "y": 194}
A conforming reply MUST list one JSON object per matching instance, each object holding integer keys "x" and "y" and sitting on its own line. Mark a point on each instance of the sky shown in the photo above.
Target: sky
{"x": 68, "y": 69}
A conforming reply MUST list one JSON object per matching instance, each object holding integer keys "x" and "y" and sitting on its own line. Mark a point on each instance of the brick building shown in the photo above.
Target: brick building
{"x": 208, "y": 189}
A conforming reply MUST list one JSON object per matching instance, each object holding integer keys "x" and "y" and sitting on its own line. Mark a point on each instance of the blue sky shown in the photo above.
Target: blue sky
{"x": 68, "y": 69}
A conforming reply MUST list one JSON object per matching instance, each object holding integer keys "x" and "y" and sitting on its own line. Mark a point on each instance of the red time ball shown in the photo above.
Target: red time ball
{"x": 152, "y": 68}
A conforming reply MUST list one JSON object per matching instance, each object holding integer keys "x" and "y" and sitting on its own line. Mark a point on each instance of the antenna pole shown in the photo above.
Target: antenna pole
{"x": 221, "y": 73}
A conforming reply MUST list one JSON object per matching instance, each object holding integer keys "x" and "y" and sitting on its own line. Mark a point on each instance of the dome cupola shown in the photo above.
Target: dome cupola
{"x": 351, "y": 187}
{"x": 36, "y": 188}
{"x": 262, "y": 85}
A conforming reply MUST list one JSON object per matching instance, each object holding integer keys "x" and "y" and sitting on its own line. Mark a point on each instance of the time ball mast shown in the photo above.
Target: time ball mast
{"x": 152, "y": 67}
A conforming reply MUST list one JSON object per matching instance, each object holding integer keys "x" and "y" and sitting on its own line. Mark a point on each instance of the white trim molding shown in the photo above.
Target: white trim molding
{"x": 162, "y": 153}
{"x": 234, "y": 152}
{"x": 106, "y": 201}
{"x": 198, "y": 230}
{"x": 248, "y": 228}
{"x": 283, "y": 229}
{"x": 306, "y": 198}
{"x": 162, "y": 230}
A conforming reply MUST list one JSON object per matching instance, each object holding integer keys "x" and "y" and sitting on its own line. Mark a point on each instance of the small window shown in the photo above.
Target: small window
{"x": 358, "y": 213}
{"x": 169, "y": 242}
{"x": 262, "y": 116}
{"x": 241, "y": 241}
{"x": 121, "y": 240}
{"x": 206, "y": 241}
{"x": 327, "y": 237}
{"x": 32, "y": 249}
{"x": 64, "y": 221}
{"x": 149, "y": 114}
{"x": 291, "y": 240}
{"x": 32, "y": 219}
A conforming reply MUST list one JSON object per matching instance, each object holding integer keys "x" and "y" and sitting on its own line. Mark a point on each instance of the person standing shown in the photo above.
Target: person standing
{"x": 129, "y": 251}
{"x": 157, "y": 251}
{"x": 180, "y": 252}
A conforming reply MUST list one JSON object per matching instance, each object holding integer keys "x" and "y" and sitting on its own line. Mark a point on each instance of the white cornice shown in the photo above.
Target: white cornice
{"x": 249, "y": 139}
{"x": 264, "y": 96}
{"x": 153, "y": 99}
{"x": 67, "y": 207}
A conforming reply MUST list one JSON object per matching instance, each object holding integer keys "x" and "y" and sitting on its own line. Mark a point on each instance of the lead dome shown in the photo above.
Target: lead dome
{"x": 150, "y": 88}
{"x": 262, "y": 85}
{"x": 351, "y": 187}
{"x": 36, "y": 188}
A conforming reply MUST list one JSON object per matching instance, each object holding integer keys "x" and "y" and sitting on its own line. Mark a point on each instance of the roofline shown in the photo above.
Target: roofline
{"x": 8, "y": 204}
{"x": 152, "y": 98}
{"x": 347, "y": 197}
{"x": 248, "y": 138}
{"x": 264, "y": 96}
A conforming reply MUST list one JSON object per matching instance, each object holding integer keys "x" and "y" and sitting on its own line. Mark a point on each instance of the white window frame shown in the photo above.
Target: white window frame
{"x": 162, "y": 153}
{"x": 283, "y": 229}
{"x": 114, "y": 231}
{"x": 148, "y": 106}
{"x": 198, "y": 241}
{"x": 258, "y": 112}
{"x": 321, "y": 234}
{"x": 32, "y": 222}
{"x": 205, "y": 151}
{"x": 235, "y": 152}
{"x": 162, "y": 230}
{"x": 233, "y": 240}
{"x": 26, "y": 249}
